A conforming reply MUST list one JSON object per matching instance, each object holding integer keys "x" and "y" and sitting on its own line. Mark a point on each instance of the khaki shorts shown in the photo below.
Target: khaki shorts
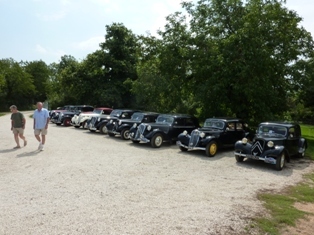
{"x": 18, "y": 131}
{"x": 41, "y": 131}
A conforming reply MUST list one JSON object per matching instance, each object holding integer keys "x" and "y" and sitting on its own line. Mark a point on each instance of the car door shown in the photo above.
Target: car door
{"x": 292, "y": 141}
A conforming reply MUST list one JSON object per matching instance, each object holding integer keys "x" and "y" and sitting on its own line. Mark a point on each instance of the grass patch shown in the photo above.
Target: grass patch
{"x": 2, "y": 114}
{"x": 308, "y": 134}
{"x": 281, "y": 207}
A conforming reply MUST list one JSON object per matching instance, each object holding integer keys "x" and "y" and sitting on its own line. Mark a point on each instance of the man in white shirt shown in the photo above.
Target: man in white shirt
{"x": 41, "y": 121}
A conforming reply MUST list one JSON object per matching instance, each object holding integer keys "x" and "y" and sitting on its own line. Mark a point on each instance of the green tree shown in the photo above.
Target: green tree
{"x": 119, "y": 65}
{"x": 40, "y": 74}
{"x": 18, "y": 87}
{"x": 243, "y": 54}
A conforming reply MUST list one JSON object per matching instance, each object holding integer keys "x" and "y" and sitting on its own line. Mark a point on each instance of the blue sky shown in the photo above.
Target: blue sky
{"x": 48, "y": 29}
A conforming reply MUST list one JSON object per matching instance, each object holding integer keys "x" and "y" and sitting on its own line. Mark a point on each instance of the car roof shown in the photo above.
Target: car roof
{"x": 279, "y": 123}
{"x": 148, "y": 113}
{"x": 226, "y": 119}
{"x": 177, "y": 115}
{"x": 104, "y": 108}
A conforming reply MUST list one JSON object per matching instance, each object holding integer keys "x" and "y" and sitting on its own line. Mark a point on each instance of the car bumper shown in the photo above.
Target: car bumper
{"x": 180, "y": 144}
{"x": 266, "y": 159}
{"x": 141, "y": 139}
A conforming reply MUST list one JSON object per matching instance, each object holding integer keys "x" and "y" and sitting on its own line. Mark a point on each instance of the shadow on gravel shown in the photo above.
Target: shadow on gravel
{"x": 29, "y": 154}
{"x": 294, "y": 164}
{"x": 8, "y": 150}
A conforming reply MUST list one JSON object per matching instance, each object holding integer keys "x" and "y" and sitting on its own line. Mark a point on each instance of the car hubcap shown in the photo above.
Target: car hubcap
{"x": 104, "y": 129}
{"x": 282, "y": 160}
{"x": 158, "y": 141}
{"x": 213, "y": 149}
{"x": 126, "y": 135}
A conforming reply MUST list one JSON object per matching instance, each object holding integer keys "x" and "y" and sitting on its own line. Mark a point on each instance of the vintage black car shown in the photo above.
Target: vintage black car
{"x": 122, "y": 126}
{"x": 64, "y": 118}
{"x": 274, "y": 143}
{"x": 166, "y": 128}
{"x": 99, "y": 123}
{"x": 216, "y": 133}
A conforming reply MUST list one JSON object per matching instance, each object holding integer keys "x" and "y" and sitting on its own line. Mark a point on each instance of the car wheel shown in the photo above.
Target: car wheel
{"x": 183, "y": 149}
{"x": 58, "y": 124}
{"x": 135, "y": 141}
{"x": 103, "y": 129}
{"x": 125, "y": 134}
{"x": 281, "y": 161}
{"x": 111, "y": 134}
{"x": 239, "y": 158}
{"x": 211, "y": 148}
{"x": 92, "y": 130}
{"x": 85, "y": 125}
{"x": 156, "y": 141}
{"x": 66, "y": 122}
{"x": 76, "y": 126}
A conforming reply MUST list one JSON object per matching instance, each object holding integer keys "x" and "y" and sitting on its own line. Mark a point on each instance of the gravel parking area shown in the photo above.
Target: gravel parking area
{"x": 88, "y": 183}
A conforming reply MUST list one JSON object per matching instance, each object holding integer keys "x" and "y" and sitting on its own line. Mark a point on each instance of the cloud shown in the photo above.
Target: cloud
{"x": 52, "y": 17}
{"x": 90, "y": 44}
{"x": 48, "y": 51}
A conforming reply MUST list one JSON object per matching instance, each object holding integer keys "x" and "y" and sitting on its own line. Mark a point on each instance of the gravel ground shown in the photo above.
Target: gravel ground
{"x": 88, "y": 183}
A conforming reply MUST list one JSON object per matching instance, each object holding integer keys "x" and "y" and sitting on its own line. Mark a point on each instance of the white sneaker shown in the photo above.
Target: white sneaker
{"x": 39, "y": 146}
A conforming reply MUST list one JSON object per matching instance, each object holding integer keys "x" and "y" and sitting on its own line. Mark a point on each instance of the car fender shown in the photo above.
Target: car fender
{"x": 153, "y": 132}
{"x": 208, "y": 139}
{"x": 302, "y": 143}
{"x": 240, "y": 146}
{"x": 184, "y": 139}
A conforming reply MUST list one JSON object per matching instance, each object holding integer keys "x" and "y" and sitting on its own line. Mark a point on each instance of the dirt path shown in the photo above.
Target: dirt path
{"x": 87, "y": 183}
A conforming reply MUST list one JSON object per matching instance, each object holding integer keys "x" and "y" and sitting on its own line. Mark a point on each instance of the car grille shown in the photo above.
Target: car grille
{"x": 93, "y": 120}
{"x": 140, "y": 130}
{"x": 59, "y": 118}
{"x": 257, "y": 148}
{"x": 79, "y": 119}
{"x": 195, "y": 136}
{"x": 116, "y": 126}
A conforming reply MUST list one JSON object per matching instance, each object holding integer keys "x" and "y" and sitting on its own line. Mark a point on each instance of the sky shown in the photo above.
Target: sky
{"x": 33, "y": 30}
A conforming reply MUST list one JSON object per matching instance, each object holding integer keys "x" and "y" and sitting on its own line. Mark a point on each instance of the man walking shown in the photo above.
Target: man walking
{"x": 17, "y": 126}
{"x": 41, "y": 120}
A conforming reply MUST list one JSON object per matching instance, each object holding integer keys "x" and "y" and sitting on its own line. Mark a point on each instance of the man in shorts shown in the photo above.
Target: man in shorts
{"x": 41, "y": 121}
{"x": 17, "y": 126}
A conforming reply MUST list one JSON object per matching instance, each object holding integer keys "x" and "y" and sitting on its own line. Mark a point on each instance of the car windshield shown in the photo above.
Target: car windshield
{"x": 164, "y": 119}
{"x": 115, "y": 113}
{"x": 210, "y": 123}
{"x": 272, "y": 130}
{"x": 98, "y": 111}
{"x": 137, "y": 116}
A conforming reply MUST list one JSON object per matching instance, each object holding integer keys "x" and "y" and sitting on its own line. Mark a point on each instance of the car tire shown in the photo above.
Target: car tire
{"x": 135, "y": 141}
{"x": 111, "y": 134}
{"x": 239, "y": 158}
{"x": 211, "y": 148}
{"x": 183, "y": 149}
{"x": 280, "y": 161}
{"x": 103, "y": 129}
{"x": 92, "y": 130}
{"x": 156, "y": 141}
{"x": 76, "y": 126}
{"x": 85, "y": 125}
{"x": 65, "y": 122}
{"x": 58, "y": 124}
{"x": 125, "y": 134}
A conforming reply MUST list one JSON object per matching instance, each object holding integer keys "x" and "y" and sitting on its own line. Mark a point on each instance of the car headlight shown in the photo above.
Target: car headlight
{"x": 202, "y": 134}
{"x": 185, "y": 132}
{"x": 111, "y": 121}
{"x": 120, "y": 122}
{"x": 98, "y": 119}
{"x": 149, "y": 127}
{"x": 270, "y": 144}
{"x": 244, "y": 141}
{"x": 134, "y": 125}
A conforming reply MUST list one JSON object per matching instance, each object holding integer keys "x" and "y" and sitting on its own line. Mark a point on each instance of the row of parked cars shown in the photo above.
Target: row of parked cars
{"x": 272, "y": 142}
